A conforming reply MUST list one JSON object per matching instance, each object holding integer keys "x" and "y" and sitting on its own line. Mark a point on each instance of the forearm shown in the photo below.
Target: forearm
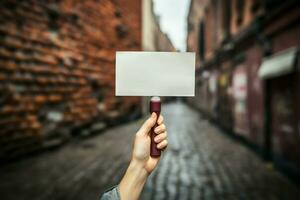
{"x": 133, "y": 181}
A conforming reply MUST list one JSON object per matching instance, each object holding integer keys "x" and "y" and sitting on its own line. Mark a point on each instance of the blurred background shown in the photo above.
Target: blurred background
{"x": 64, "y": 134}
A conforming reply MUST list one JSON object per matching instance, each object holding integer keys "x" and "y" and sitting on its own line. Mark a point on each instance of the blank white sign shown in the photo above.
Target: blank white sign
{"x": 140, "y": 73}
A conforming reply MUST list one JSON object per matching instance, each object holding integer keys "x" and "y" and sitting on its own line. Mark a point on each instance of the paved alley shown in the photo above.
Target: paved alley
{"x": 200, "y": 163}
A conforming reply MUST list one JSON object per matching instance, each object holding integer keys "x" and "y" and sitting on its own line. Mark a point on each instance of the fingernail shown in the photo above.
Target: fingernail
{"x": 156, "y": 130}
{"x": 155, "y": 139}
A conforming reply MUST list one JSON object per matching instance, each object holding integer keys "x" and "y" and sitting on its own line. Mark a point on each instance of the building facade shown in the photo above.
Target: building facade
{"x": 57, "y": 69}
{"x": 248, "y": 72}
{"x": 153, "y": 38}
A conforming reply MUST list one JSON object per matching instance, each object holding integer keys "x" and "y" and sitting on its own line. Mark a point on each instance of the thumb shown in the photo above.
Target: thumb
{"x": 148, "y": 124}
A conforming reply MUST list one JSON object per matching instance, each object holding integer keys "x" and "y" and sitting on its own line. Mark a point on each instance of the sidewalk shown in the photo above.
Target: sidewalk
{"x": 200, "y": 163}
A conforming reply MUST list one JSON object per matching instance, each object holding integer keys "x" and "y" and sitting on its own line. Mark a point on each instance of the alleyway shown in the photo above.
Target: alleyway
{"x": 200, "y": 163}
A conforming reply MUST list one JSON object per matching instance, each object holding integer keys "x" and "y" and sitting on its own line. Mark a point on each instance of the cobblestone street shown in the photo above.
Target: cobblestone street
{"x": 200, "y": 163}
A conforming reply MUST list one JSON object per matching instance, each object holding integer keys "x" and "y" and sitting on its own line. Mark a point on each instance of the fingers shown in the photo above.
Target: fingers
{"x": 160, "y": 129}
{"x": 148, "y": 124}
{"x": 160, "y": 120}
{"x": 162, "y": 145}
{"x": 159, "y": 138}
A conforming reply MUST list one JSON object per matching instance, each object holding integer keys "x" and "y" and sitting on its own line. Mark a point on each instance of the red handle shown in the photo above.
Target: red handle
{"x": 155, "y": 106}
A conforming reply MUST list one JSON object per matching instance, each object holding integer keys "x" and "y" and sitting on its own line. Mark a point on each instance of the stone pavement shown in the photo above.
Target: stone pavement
{"x": 200, "y": 163}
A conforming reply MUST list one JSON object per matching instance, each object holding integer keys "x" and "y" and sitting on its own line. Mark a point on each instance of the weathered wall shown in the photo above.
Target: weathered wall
{"x": 237, "y": 37}
{"x": 195, "y": 17}
{"x": 148, "y": 26}
{"x": 57, "y": 68}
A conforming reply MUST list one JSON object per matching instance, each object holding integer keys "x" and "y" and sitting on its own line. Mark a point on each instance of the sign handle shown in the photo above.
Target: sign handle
{"x": 155, "y": 106}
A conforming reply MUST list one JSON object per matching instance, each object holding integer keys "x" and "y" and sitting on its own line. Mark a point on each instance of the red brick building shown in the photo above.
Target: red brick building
{"x": 57, "y": 69}
{"x": 248, "y": 72}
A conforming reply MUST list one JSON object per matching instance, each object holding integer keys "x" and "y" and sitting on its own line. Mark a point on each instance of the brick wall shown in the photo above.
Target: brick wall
{"x": 57, "y": 68}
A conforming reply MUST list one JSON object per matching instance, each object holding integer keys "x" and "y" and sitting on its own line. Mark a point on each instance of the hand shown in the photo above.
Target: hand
{"x": 142, "y": 164}
{"x": 141, "y": 148}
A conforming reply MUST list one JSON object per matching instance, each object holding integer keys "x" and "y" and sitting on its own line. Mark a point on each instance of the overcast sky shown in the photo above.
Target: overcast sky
{"x": 173, "y": 20}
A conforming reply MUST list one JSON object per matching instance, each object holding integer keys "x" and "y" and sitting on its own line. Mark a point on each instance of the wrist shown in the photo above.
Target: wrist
{"x": 138, "y": 167}
{"x": 133, "y": 181}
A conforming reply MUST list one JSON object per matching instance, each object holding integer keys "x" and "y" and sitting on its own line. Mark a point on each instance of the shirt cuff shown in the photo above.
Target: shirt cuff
{"x": 111, "y": 194}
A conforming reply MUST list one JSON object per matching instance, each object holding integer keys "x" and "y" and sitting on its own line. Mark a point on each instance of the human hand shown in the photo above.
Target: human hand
{"x": 141, "y": 148}
{"x": 142, "y": 164}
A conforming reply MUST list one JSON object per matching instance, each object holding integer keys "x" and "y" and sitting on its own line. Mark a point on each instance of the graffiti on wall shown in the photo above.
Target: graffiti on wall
{"x": 239, "y": 87}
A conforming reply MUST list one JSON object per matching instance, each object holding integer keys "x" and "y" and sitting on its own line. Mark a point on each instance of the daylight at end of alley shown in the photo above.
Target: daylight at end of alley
{"x": 65, "y": 133}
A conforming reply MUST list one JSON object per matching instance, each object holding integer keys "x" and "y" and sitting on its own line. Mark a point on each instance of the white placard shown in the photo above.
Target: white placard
{"x": 140, "y": 73}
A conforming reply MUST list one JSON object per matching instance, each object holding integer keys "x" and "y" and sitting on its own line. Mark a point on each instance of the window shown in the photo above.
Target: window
{"x": 240, "y": 4}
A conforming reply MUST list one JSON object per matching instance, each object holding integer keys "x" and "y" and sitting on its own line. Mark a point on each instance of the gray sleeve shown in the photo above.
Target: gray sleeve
{"x": 111, "y": 194}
